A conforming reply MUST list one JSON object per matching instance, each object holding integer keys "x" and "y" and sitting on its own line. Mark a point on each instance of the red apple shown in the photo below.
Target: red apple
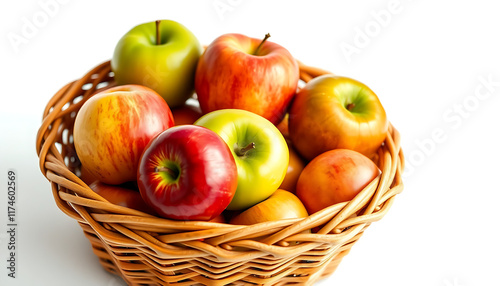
{"x": 238, "y": 72}
{"x": 114, "y": 126}
{"x": 333, "y": 177}
{"x": 187, "y": 173}
{"x": 125, "y": 195}
{"x": 187, "y": 113}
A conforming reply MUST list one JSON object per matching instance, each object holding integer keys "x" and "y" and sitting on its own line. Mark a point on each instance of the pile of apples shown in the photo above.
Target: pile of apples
{"x": 224, "y": 133}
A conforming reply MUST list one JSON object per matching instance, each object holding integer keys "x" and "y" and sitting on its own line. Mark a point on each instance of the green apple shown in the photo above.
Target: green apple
{"x": 161, "y": 55}
{"x": 259, "y": 149}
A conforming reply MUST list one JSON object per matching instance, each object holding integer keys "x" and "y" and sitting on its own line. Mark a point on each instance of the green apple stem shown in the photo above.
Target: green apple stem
{"x": 158, "y": 32}
{"x": 261, "y": 43}
{"x": 243, "y": 151}
{"x": 350, "y": 106}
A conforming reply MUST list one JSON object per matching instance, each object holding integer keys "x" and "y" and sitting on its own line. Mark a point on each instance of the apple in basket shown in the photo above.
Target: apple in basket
{"x": 239, "y": 72}
{"x": 125, "y": 195}
{"x": 295, "y": 166}
{"x": 187, "y": 172}
{"x": 333, "y": 177}
{"x": 333, "y": 112}
{"x": 114, "y": 126}
{"x": 280, "y": 205}
{"x": 259, "y": 149}
{"x": 161, "y": 55}
{"x": 187, "y": 113}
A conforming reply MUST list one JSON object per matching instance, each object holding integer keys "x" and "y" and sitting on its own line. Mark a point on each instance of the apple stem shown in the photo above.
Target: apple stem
{"x": 243, "y": 151}
{"x": 167, "y": 170}
{"x": 350, "y": 106}
{"x": 261, "y": 43}
{"x": 158, "y": 32}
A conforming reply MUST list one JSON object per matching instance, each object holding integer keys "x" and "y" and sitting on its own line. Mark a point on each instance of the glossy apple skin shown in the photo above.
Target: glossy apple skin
{"x": 113, "y": 127}
{"x": 228, "y": 76}
{"x": 125, "y": 195}
{"x": 187, "y": 113}
{"x": 219, "y": 219}
{"x": 295, "y": 166}
{"x": 86, "y": 176}
{"x": 168, "y": 68}
{"x": 205, "y": 178}
{"x": 262, "y": 169}
{"x": 280, "y": 205}
{"x": 319, "y": 119}
{"x": 333, "y": 177}
{"x": 283, "y": 127}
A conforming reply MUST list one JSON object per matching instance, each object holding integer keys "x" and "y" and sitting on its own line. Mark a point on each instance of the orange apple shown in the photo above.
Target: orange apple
{"x": 86, "y": 176}
{"x": 283, "y": 127}
{"x": 295, "y": 166}
{"x": 280, "y": 205}
{"x": 114, "y": 126}
{"x": 333, "y": 177}
{"x": 125, "y": 195}
{"x": 220, "y": 219}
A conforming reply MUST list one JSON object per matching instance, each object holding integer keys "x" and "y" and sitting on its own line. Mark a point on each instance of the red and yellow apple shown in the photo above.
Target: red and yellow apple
{"x": 334, "y": 112}
{"x": 333, "y": 177}
{"x": 114, "y": 126}
{"x": 187, "y": 173}
{"x": 280, "y": 205}
{"x": 86, "y": 176}
{"x": 239, "y": 72}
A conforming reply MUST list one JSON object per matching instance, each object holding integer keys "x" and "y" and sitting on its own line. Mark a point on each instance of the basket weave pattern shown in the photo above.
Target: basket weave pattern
{"x": 147, "y": 250}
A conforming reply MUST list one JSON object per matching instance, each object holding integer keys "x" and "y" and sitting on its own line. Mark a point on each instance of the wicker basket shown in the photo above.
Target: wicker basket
{"x": 147, "y": 250}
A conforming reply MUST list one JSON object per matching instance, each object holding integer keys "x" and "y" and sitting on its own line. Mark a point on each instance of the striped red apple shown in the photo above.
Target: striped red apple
{"x": 114, "y": 126}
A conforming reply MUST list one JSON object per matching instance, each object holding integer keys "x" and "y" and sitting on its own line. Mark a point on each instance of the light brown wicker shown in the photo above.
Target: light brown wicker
{"x": 147, "y": 250}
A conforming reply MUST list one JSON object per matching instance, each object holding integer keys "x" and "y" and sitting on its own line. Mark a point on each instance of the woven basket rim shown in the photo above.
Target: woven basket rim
{"x": 119, "y": 226}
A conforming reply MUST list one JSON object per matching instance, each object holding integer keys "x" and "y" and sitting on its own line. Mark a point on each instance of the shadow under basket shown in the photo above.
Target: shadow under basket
{"x": 148, "y": 250}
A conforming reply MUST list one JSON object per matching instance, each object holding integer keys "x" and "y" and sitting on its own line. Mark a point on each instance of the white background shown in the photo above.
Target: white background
{"x": 427, "y": 61}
